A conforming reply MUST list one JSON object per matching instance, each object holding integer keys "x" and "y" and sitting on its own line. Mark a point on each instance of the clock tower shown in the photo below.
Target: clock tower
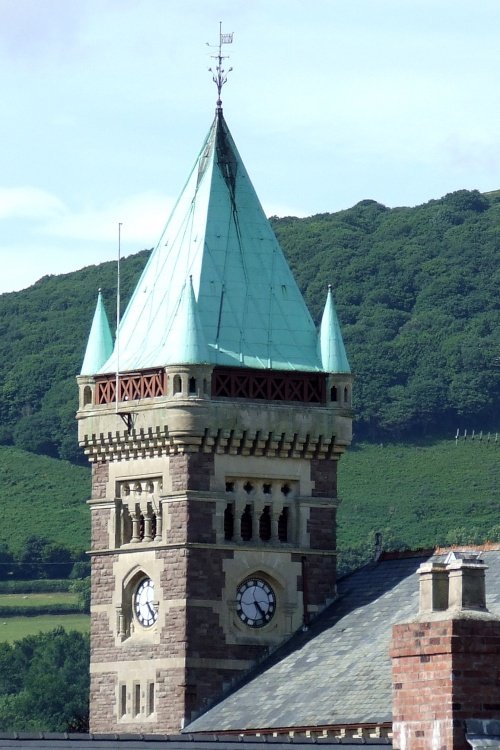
{"x": 214, "y": 425}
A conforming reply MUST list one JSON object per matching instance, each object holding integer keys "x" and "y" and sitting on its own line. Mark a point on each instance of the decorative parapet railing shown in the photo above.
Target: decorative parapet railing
{"x": 132, "y": 386}
{"x": 227, "y": 382}
{"x": 269, "y": 385}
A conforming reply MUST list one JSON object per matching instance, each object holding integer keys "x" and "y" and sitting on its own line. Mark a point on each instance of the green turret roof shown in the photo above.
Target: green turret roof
{"x": 185, "y": 341}
{"x": 331, "y": 345}
{"x": 246, "y": 308}
{"x": 100, "y": 342}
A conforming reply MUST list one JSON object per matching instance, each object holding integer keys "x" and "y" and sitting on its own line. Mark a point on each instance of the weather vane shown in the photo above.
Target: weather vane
{"x": 219, "y": 75}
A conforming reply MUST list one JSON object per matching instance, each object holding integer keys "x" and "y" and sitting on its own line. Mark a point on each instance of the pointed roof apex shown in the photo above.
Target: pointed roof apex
{"x": 185, "y": 342}
{"x": 100, "y": 341}
{"x": 248, "y": 305}
{"x": 331, "y": 345}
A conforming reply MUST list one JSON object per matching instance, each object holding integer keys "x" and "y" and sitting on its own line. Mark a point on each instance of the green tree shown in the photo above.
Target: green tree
{"x": 44, "y": 683}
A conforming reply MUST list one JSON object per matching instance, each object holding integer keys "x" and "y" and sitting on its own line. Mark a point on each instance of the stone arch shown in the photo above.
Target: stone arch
{"x": 129, "y": 584}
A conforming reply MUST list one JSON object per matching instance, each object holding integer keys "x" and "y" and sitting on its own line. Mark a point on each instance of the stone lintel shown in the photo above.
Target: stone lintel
{"x": 283, "y": 549}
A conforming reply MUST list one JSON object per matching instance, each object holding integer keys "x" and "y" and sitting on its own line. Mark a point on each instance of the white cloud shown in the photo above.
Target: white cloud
{"x": 44, "y": 236}
{"x": 28, "y": 203}
{"x": 142, "y": 216}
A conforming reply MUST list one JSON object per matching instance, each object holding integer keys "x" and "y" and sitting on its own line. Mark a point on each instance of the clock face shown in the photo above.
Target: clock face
{"x": 256, "y": 602}
{"x": 145, "y": 609}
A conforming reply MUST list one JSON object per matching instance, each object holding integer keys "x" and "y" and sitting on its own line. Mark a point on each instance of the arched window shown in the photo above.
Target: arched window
{"x": 177, "y": 384}
{"x": 265, "y": 524}
{"x": 192, "y": 386}
{"x": 228, "y": 522}
{"x": 283, "y": 526}
{"x": 246, "y": 524}
{"x": 333, "y": 393}
{"x": 346, "y": 395}
{"x": 87, "y": 395}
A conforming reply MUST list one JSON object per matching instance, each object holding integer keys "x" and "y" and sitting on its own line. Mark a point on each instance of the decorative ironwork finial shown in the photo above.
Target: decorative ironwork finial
{"x": 219, "y": 75}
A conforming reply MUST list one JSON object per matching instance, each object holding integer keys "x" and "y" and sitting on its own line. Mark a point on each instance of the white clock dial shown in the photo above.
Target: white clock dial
{"x": 256, "y": 602}
{"x": 145, "y": 609}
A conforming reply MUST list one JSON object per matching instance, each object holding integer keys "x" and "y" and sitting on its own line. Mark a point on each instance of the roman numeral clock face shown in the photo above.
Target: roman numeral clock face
{"x": 256, "y": 602}
{"x": 144, "y": 605}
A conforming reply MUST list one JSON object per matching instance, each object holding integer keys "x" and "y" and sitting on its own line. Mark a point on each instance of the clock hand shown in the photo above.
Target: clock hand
{"x": 257, "y": 605}
{"x": 151, "y": 609}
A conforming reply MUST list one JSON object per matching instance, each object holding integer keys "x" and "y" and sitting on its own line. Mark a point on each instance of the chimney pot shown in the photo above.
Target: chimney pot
{"x": 433, "y": 578}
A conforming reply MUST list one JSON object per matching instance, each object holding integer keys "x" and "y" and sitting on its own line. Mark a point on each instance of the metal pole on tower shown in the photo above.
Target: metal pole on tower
{"x": 117, "y": 383}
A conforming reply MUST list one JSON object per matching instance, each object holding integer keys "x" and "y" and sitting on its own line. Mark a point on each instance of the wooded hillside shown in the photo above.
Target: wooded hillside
{"x": 417, "y": 295}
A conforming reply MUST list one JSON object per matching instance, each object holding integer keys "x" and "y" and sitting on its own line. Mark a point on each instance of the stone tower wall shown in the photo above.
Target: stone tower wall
{"x": 189, "y": 464}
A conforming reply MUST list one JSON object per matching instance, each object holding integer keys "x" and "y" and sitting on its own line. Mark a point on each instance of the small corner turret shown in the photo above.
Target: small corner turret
{"x": 333, "y": 357}
{"x": 98, "y": 350}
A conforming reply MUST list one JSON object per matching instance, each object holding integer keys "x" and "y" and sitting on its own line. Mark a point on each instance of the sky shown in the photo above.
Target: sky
{"x": 105, "y": 104}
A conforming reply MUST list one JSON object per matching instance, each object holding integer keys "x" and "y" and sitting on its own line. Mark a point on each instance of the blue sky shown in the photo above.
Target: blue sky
{"x": 105, "y": 104}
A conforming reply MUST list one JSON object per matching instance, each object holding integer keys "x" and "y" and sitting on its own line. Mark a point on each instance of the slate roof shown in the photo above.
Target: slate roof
{"x": 250, "y": 307}
{"x": 338, "y": 672}
{"x": 60, "y": 741}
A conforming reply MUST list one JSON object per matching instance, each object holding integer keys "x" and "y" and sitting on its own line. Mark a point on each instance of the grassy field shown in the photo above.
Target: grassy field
{"x": 35, "y": 600}
{"x": 420, "y": 495}
{"x": 44, "y": 497}
{"x": 14, "y": 628}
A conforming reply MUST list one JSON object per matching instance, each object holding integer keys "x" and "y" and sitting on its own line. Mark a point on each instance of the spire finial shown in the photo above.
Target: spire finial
{"x": 219, "y": 75}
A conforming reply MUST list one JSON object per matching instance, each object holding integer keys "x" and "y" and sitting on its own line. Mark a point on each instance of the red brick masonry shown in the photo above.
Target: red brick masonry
{"x": 444, "y": 672}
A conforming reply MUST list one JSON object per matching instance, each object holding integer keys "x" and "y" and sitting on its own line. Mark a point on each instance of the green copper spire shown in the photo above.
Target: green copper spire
{"x": 100, "y": 341}
{"x": 331, "y": 344}
{"x": 249, "y": 308}
{"x": 185, "y": 341}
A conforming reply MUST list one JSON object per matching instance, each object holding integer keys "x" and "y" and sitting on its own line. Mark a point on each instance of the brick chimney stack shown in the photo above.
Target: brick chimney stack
{"x": 446, "y": 663}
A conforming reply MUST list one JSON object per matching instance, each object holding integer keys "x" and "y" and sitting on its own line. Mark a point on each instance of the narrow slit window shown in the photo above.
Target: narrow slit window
{"x": 246, "y": 524}
{"x": 283, "y": 526}
{"x": 228, "y": 522}
{"x": 265, "y": 524}
{"x": 177, "y": 384}
{"x": 137, "y": 699}
{"x": 151, "y": 698}
{"x": 192, "y": 386}
{"x": 333, "y": 393}
{"x": 123, "y": 700}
